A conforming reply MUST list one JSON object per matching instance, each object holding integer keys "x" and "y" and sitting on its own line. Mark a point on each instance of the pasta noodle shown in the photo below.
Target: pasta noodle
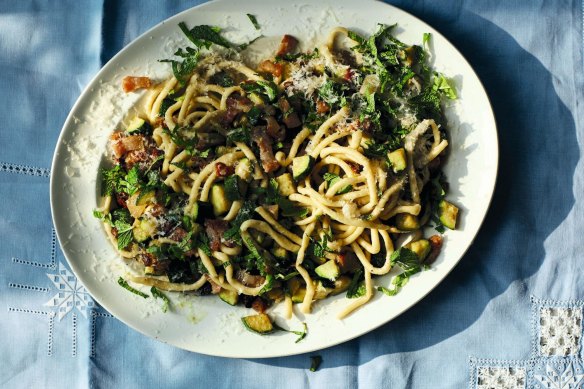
{"x": 287, "y": 182}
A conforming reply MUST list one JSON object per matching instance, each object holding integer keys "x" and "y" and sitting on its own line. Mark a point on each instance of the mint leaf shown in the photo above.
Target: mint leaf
{"x": 158, "y": 294}
{"x": 124, "y": 284}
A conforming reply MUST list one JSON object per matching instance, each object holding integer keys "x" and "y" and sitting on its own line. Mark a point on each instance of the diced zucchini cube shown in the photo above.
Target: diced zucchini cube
{"x": 301, "y": 166}
{"x": 448, "y": 214}
{"x": 260, "y": 323}
{"x": 406, "y": 222}
{"x": 219, "y": 200}
{"x": 420, "y": 247}
{"x": 397, "y": 158}
{"x": 328, "y": 270}
{"x": 286, "y": 185}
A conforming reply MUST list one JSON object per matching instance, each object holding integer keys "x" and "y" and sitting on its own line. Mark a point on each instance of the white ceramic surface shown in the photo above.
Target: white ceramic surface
{"x": 206, "y": 324}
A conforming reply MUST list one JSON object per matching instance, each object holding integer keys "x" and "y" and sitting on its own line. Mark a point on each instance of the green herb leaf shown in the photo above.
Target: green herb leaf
{"x": 315, "y": 362}
{"x": 269, "y": 284}
{"x": 110, "y": 180}
{"x": 356, "y": 287}
{"x": 426, "y": 38}
{"x": 331, "y": 179}
{"x": 253, "y": 21}
{"x": 124, "y": 284}
{"x": 265, "y": 87}
{"x": 204, "y": 35}
{"x": 240, "y": 134}
{"x": 301, "y": 334}
{"x": 159, "y": 295}
{"x": 444, "y": 86}
{"x": 182, "y": 69}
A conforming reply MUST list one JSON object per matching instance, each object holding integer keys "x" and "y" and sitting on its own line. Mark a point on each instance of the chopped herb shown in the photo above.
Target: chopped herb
{"x": 110, "y": 179}
{"x": 240, "y": 134}
{"x": 122, "y": 221}
{"x": 182, "y": 70}
{"x": 315, "y": 362}
{"x": 204, "y": 35}
{"x": 244, "y": 46}
{"x": 444, "y": 86}
{"x": 410, "y": 264}
{"x": 124, "y": 284}
{"x": 301, "y": 334}
{"x": 331, "y": 179}
{"x": 202, "y": 242}
{"x": 320, "y": 248}
{"x": 356, "y": 287}
{"x": 131, "y": 182}
{"x": 287, "y": 276}
{"x": 253, "y": 21}
{"x": 426, "y": 38}
{"x": 269, "y": 284}
{"x": 267, "y": 88}
{"x": 165, "y": 300}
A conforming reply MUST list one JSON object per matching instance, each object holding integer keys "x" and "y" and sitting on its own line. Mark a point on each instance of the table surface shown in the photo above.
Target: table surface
{"x": 509, "y": 315}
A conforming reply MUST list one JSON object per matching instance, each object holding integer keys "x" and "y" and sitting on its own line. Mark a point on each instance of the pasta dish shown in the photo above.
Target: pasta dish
{"x": 303, "y": 176}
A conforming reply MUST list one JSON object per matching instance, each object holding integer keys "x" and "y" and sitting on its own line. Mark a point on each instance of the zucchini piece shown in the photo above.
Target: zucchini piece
{"x": 244, "y": 170}
{"x": 260, "y": 323}
{"x": 222, "y": 150}
{"x": 146, "y": 198}
{"x": 229, "y": 296}
{"x": 407, "y": 222}
{"x": 341, "y": 284}
{"x": 448, "y": 212}
{"x": 234, "y": 188}
{"x": 320, "y": 291}
{"x": 301, "y": 166}
{"x": 420, "y": 247}
{"x": 298, "y": 297}
{"x": 297, "y": 290}
{"x": 219, "y": 200}
{"x": 144, "y": 229}
{"x": 286, "y": 185}
{"x": 275, "y": 294}
{"x": 397, "y": 158}
{"x": 138, "y": 126}
{"x": 280, "y": 252}
{"x": 328, "y": 270}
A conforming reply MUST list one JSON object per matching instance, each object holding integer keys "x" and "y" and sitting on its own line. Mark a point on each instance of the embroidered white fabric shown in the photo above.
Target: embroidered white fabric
{"x": 501, "y": 377}
{"x": 560, "y": 331}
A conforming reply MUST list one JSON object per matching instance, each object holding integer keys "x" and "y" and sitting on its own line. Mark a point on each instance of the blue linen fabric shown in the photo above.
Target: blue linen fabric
{"x": 486, "y": 325}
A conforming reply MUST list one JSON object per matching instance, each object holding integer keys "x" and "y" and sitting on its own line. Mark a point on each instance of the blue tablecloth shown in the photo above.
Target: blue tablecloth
{"x": 509, "y": 315}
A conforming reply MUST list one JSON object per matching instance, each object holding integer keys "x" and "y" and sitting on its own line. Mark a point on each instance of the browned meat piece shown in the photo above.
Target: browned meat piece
{"x": 264, "y": 142}
{"x": 322, "y": 107}
{"x": 287, "y": 45}
{"x": 222, "y": 170}
{"x": 348, "y": 262}
{"x": 215, "y": 228}
{"x": 289, "y": 116}
{"x": 259, "y": 305}
{"x": 215, "y": 288}
{"x": 274, "y": 129}
{"x": 249, "y": 280}
{"x": 436, "y": 245}
{"x": 131, "y": 83}
{"x": 236, "y": 104}
{"x": 273, "y": 68}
